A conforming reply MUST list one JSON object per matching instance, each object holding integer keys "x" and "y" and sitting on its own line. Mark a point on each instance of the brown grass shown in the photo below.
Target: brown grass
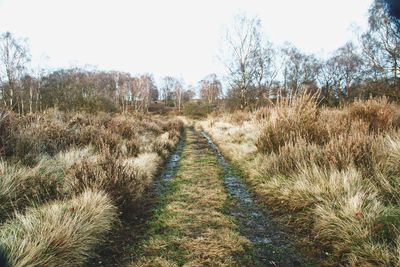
{"x": 190, "y": 229}
{"x": 60, "y": 233}
{"x": 331, "y": 172}
{"x": 293, "y": 120}
{"x": 377, "y": 113}
{"x": 55, "y": 156}
{"x": 124, "y": 180}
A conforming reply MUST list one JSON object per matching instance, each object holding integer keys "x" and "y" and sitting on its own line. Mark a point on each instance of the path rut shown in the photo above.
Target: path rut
{"x": 121, "y": 245}
{"x": 271, "y": 244}
{"x": 208, "y": 217}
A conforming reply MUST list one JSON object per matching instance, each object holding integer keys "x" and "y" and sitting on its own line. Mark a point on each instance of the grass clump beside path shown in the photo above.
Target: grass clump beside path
{"x": 190, "y": 227}
{"x": 331, "y": 174}
{"x": 62, "y": 233}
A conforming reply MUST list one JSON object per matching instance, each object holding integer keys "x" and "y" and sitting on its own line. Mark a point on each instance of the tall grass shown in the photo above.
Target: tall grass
{"x": 123, "y": 179}
{"x": 28, "y": 138}
{"x": 334, "y": 171}
{"x": 64, "y": 178}
{"x": 294, "y": 119}
{"x": 62, "y": 233}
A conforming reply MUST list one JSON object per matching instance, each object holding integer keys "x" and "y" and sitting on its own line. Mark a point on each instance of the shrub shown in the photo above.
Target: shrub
{"x": 104, "y": 139}
{"x": 331, "y": 172}
{"x": 12, "y": 187}
{"x": 164, "y": 143}
{"x": 21, "y": 186}
{"x": 291, "y": 157}
{"x": 42, "y": 136}
{"x": 387, "y": 168}
{"x": 197, "y": 110}
{"x": 349, "y": 150}
{"x": 69, "y": 174}
{"x": 96, "y": 103}
{"x": 378, "y": 113}
{"x": 9, "y": 123}
{"x": 172, "y": 124}
{"x": 263, "y": 113}
{"x": 238, "y": 117}
{"x": 124, "y": 126}
{"x": 293, "y": 120}
{"x": 125, "y": 183}
{"x": 387, "y": 226}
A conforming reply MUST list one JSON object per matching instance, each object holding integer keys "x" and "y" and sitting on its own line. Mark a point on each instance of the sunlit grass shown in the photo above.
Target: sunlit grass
{"x": 190, "y": 227}
{"x": 63, "y": 233}
{"x": 68, "y": 176}
{"x": 333, "y": 172}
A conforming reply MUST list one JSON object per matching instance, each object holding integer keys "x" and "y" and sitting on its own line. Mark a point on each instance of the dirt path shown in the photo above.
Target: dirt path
{"x": 271, "y": 245}
{"x": 207, "y": 217}
{"x": 190, "y": 227}
{"x": 198, "y": 213}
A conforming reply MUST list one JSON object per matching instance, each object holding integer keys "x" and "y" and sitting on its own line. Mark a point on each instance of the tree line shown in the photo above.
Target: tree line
{"x": 27, "y": 90}
{"x": 259, "y": 71}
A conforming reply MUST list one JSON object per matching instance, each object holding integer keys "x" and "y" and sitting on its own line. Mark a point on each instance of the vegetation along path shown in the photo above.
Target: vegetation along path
{"x": 207, "y": 217}
{"x": 122, "y": 244}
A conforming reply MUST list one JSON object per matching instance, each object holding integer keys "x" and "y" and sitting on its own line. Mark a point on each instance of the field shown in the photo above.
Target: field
{"x": 68, "y": 179}
{"x": 216, "y": 134}
{"x": 302, "y": 185}
{"x": 330, "y": 174}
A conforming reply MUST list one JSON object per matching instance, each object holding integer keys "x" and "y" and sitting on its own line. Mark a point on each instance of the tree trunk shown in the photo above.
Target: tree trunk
{"x": 22, "y": 106}
{"x": 18, "y": 107}
{"x": 11, "y": 96}
{"x": 3, "y": 95}
{"x": 30, "y": 98}
{"x": 38, "y": 107}
{"x": 242, "y": 99}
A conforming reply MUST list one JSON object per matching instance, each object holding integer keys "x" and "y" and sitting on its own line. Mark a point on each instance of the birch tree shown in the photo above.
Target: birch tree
{"x": 14, "y": 55}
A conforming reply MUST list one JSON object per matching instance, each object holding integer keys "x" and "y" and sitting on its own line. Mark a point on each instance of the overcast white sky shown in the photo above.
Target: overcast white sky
{"x": 174, "y": 37}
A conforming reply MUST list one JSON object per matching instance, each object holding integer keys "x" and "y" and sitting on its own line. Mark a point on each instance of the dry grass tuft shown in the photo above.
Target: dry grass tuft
{"x": 55, "y": 156}
{"x": 238, "y": 117}
{"x": 293, "y": 120}
{"x": 378, "y": 113}
{"x": 333, "y": 173}
{"x": 58, "y": 234}
{"x": 124, "y": 180}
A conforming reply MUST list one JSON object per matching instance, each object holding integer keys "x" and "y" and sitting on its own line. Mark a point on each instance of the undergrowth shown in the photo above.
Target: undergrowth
{"x": 334, "y": 170}
{"x": 66, "y": 178}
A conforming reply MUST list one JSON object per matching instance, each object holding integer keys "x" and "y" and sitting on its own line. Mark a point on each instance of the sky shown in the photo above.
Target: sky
{"x": 175, "y": 37}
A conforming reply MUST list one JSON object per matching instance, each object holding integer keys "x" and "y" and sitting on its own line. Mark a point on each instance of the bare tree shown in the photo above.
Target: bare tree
{"x": 188, "y": 94}
{"x": 154, "y": 91}
{"x": 210, "y": 88}
{"x": 328, "y": 80}
{"x": 243, "y": 41}
{"x": 28, "y": 83}
{"x": 172, "y": 91}
{"x": 349, "y": 67}
{"x": 167, "y": 87}
{"x": 146, "y": 87}
{"x": 125, "y": 90}
{"x": 38, "y": 73}
{"x": 340, "y": 73}
{"x": 300, "y": 71}
{"x": 381, "y": 44}
{"x": 267, "y": 68}
{"x": 14, "y": 55}
{"x": 178, "y": 94}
